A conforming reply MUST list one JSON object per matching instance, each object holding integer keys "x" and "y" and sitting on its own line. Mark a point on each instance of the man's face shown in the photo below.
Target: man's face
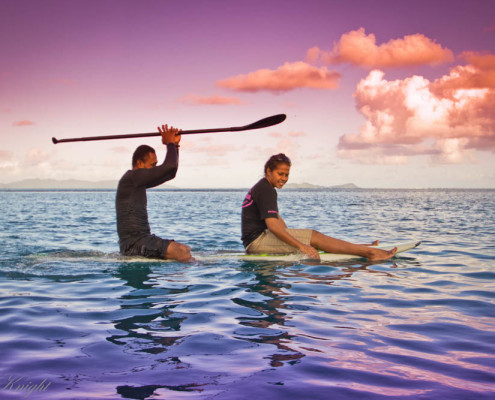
{"x": 150, "y": 161}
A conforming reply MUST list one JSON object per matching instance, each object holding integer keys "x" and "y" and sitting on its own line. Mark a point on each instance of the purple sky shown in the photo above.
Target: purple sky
{"x": 383, "y": 93}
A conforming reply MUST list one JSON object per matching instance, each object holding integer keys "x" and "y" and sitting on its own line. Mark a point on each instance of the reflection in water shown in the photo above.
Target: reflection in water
{"x": 262, "y": 309}
{"x": 144, "y": 392}
{"x": 355, "y": 323}
{"x": 270, "y": 327}
{"x": 157, "y": 315}
{"x": 200, "y": 330}
{"x": 96, "y": 326}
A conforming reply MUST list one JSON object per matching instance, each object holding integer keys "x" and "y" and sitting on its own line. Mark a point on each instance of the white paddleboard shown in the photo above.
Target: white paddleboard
{"x": 325, "y": 257}
{"x": 401, "y": 247}
{"x": 75, "y": 257}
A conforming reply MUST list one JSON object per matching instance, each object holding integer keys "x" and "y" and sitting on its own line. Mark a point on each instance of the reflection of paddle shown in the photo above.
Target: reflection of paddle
{"x": 262, "y": 123}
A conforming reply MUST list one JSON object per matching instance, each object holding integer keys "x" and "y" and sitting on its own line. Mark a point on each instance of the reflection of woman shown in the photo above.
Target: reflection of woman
{"x": 264, "y": 230}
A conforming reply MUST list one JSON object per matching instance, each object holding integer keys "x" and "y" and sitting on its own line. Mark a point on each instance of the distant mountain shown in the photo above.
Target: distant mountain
{"x": 59, "y": 184}
{"x": 75, "y": 184}
{"x": 311, "y": 186}
{"x": 345, "y": 186}
{"x": 67, "y": 184}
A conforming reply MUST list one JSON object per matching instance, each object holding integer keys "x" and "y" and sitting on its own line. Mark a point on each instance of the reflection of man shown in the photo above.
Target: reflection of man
{"x": 135, "y": 238}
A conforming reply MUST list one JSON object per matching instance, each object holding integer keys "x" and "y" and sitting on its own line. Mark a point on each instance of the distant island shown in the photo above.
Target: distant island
{"x": 311, "y": 186}
{"x": 41, "y": 184}
{"x": 75, "y": 184}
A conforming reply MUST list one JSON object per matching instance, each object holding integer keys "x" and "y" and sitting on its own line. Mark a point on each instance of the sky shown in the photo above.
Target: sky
{"x": 382, "y": 93}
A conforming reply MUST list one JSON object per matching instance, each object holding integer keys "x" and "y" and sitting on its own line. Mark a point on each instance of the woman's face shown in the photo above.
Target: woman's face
{"x": 279, "y": 176}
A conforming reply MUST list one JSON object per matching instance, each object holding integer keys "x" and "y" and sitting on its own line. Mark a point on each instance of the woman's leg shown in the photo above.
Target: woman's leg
{"x": 337, "y": 246}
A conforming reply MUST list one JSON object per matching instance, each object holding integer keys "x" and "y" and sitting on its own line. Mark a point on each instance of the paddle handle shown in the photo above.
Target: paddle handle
{"x": 134, "y": 135}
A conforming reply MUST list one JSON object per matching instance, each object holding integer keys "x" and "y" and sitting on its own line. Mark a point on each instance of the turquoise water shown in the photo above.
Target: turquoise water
{"x": 77, "y": 322}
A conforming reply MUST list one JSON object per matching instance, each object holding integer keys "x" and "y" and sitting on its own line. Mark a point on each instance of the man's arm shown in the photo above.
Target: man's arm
{"x": 168, "y": 169}
{"x": 164, "y": 172}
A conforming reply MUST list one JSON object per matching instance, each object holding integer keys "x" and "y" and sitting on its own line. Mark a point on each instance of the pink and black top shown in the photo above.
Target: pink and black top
{"x": 260, "y": 203}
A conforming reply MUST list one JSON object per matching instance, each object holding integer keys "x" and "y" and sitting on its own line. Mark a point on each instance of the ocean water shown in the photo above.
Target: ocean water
{"x": 79, "y": 322}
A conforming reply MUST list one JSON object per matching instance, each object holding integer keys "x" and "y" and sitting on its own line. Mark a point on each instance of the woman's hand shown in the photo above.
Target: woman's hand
{"x": 310, "y": 251}
{"x": 279, "y": 229}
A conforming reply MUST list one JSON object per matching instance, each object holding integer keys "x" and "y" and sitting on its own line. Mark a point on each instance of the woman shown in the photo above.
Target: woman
{"x": 264, "y": 230}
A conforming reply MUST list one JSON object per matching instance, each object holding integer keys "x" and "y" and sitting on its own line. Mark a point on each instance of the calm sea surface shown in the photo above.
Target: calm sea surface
{"x": 78, "y": 322}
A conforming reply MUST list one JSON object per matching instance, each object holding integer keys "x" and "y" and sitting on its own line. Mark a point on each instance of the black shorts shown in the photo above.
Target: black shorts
{"x": 150, "y": 246}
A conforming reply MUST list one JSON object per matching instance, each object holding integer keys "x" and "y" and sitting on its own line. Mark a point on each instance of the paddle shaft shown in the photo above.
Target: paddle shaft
{"x": 263, "y": 123}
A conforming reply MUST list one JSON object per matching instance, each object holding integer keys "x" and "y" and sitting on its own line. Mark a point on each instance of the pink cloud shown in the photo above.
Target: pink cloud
{"x": 121, "y": 150}
{"x": 212, "y": 149}
{"x": 35, "y": 157}
{"x": 444, "y": 119}
{"x": 289, "y": 76}
{"x": 23, "y": 123}
{"x": 358, "y": 48}
{"x": 490, "y": 28}
{"x": 212, "y": 100}
{"x": 64, "y": 82}
{"x": 313, "y": 54}
{"x": 279, "y": 135}
{"x": 5, "y": 155}
{"x": 479, "y": 73}
{"x": 297, "y": 134}
{"x": 286, "y": 146}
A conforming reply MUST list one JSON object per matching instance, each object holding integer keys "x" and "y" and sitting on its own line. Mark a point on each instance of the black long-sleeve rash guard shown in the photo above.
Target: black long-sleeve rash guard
{"x": 131, "y": 202}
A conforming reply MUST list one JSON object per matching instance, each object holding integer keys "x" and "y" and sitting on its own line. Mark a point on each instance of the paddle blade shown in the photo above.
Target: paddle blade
{"x": 266, "y": 122}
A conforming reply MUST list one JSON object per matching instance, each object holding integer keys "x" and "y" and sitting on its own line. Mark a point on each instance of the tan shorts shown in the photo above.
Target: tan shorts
{"x": 268, "y": 243}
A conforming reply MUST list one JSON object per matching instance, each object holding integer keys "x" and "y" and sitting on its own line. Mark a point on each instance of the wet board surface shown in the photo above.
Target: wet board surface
{"x": 80, "y": 256}
{"x": 326, "y": 257}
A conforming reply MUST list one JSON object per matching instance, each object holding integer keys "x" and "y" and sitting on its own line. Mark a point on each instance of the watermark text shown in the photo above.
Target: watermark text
{"x": 23, "y": 384}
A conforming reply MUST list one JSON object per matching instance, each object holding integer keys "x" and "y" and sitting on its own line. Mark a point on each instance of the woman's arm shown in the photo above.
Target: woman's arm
{"x": 278, "y": 227}
{"x": 282, "y": 221}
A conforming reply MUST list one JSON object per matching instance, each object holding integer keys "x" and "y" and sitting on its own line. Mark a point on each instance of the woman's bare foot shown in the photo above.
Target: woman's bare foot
{"x": 378, "y": 255}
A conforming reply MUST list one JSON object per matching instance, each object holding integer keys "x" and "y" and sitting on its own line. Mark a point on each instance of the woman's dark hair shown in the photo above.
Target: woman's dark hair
{"x": 141, "y": 153}
{"x": 275, "y": 160}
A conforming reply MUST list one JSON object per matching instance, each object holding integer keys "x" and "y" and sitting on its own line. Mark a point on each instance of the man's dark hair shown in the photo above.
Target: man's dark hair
{"x": 275, "y": 160}
{"x": 141, "y": 153}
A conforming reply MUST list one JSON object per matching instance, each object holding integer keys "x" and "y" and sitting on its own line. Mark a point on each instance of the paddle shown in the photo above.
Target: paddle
{"x": 262, "y": 123}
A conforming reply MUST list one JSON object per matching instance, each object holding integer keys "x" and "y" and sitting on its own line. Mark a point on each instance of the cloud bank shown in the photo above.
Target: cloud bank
{"x": 5, "y": 155}
{"x": 287, "y": 77}
{"x": 23, "y": 123}
{"x": 360, "y": 49}
{"x": 354, "y": 47}
{"x": 445, "y": 119}
{"x": 194, "y": 99}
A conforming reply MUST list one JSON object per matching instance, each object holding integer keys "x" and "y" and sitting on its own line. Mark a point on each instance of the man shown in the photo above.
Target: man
{"x": 135, "y": 238}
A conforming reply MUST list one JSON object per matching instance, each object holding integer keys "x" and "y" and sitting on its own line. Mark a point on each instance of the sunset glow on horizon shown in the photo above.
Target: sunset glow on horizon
{"x": 382, "y": 94}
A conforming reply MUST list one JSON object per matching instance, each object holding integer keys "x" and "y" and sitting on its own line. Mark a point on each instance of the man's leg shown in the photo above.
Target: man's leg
{"x": 337, "y": 246}
{"x": 178, "y": 251}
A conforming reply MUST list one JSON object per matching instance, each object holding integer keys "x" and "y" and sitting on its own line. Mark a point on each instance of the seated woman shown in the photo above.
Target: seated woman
{"x": 264, "y": 230}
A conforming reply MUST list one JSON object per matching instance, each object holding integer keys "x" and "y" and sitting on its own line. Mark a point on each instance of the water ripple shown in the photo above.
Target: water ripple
{"x": 421, "y": 326}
